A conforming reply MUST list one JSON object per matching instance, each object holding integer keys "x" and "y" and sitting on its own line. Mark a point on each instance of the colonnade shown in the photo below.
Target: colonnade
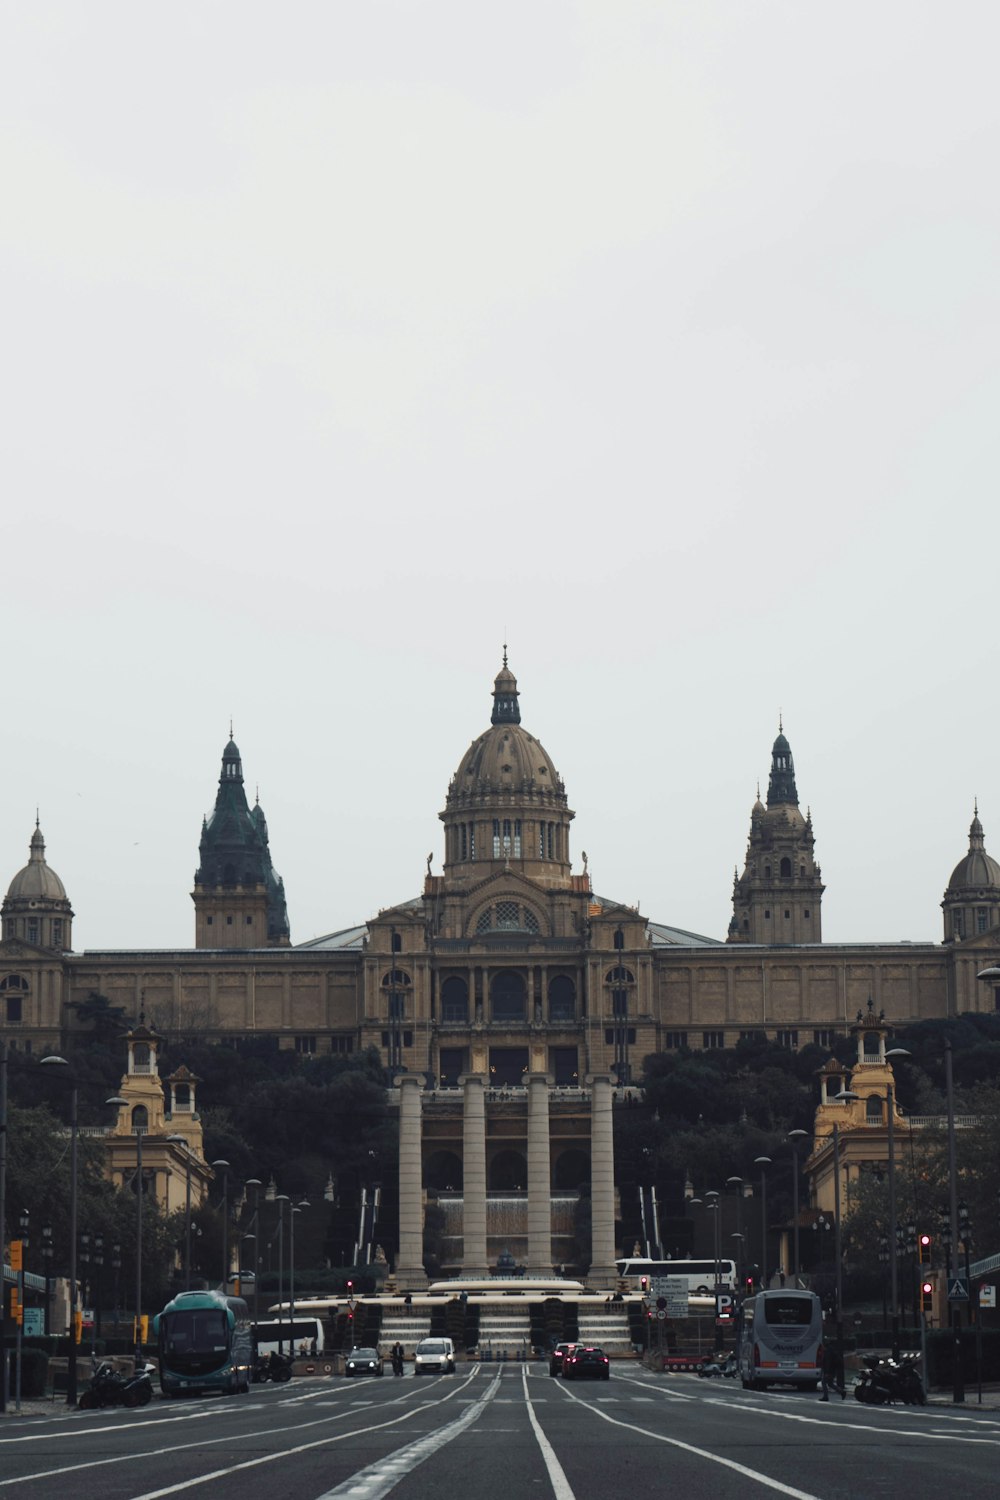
{"x": 410, "y": 1271}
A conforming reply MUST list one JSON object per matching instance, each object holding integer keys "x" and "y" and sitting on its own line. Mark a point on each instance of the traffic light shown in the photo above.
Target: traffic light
{"x": 924, "y": 1248}
{"x": 644, "y": 1283}
{"x": 926, "y": 1296}
{"x": 749, "y": 1286}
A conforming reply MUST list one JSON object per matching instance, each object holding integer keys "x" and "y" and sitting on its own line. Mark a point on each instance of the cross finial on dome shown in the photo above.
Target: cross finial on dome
{"x": 781, "y": 726}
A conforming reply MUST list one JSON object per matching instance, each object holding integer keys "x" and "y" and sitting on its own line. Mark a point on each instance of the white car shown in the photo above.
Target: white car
{"x": 435, "y": 1355}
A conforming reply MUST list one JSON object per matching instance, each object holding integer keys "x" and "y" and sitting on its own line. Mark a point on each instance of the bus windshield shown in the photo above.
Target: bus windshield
{"x": 789, "y": 1312}
{"x": 199, "y": 1335}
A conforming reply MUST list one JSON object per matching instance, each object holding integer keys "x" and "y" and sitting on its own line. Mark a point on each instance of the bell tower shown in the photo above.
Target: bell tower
{"x": 777, "y": 898}
{"x": 239, "y": 900}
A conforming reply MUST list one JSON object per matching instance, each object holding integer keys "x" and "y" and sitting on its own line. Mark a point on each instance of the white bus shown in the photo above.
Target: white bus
{"x": 780, "y": 1340}
{"x": 700, "y": 1274}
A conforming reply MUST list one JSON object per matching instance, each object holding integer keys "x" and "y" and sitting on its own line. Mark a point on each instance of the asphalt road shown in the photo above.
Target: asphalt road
{"x": 504, "y": 1434}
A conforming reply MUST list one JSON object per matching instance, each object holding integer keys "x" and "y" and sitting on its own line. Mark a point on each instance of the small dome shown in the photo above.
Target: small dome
{"x": 36, "y": 882}
{"x": 977, "y": 871}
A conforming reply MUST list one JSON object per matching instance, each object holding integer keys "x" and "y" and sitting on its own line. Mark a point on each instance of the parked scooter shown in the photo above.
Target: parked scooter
{"x": 885, "y": 1381}
{"x": 273, "y": 1366}
{"x": 110, "y": 1387}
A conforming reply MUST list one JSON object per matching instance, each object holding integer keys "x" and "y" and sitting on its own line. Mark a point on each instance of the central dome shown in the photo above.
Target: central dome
{"x": 506, "y": 758}
{"x": 506, "y": 805}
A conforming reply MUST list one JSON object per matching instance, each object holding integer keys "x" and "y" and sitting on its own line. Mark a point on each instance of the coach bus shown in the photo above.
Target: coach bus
{"x": 205, "y": 1343}
{"x": 780, "y": 1340}
{"x": 700, "y": 1274}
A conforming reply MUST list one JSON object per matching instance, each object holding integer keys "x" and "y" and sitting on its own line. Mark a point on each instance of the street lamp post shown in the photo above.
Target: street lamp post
{"x": 958, "y": 1390}
{"x": 224, "y": 1167}
{"x": 893, "y": 1264}
{"x": 182, "y": 1140}
{"x": 3, "y": 1211}
{"x": 71, "y": 1373}
{"x": 794, "y": 1138}
{"x": 763, "y": 1162}
{"x": 256, "y": 1184}
{"x": 47, "y": 1258}
{"x": 139, "y": 1129}
{"x": 281, "y": 1199}
{"x": 23, "y": 1224}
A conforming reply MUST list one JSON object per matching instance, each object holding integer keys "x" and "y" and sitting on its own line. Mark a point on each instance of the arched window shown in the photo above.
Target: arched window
{"x": 455, "y": 999}
{"x": 443, "y": 1172}
{"x": 140, "y": 1117}
{"x": 871, "y": 1046}
{"x": 873, "y": 1110}
{"x": 508, "y": 1172}
{"x": 509, "y": 995}
{"x": 786, "y": 868}
{"x": 562, "y": 998}
{"x": 182, "y": 1096}
{"x": 767, "y": 872}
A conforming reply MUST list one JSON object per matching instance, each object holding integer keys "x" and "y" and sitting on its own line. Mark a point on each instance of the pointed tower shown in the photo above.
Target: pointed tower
{"x": 36, "y": 908}
{"x": 506, "y": 806}
{"x": 971, "y": 903}
{"x": 239, "y": 900}
{"x": 777, "y": 898}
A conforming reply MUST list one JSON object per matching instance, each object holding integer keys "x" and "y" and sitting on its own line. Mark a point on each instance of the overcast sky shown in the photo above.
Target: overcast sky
{"x": 341, "y": 342}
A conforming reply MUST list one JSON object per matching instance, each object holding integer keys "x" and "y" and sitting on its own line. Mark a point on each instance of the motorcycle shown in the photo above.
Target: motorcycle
{"x": 273, "y": 1366}
{"x": 885, "y": 1381}
{"x": 110, "y": 1387}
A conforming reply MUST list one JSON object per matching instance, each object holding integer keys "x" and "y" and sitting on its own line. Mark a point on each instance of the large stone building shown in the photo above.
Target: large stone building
{"x": 506, "y": 970}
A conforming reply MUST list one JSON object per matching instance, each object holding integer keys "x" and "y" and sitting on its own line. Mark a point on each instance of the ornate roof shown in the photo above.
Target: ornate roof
{"x": 506, "y": 758}
{"x": 37, "y": 881}
{"x": 977, "y": 871}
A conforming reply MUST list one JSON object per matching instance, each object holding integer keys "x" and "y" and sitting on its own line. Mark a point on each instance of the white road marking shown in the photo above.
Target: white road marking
{"x": 131, "y": 1458}
{"x": 379, "y": 1478}
{"x": 715, "y": 1458}
{"x": 560, "y": 1484}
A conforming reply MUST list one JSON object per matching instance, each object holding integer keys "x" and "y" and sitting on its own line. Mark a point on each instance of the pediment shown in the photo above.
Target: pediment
{"x": 14, "y": 948}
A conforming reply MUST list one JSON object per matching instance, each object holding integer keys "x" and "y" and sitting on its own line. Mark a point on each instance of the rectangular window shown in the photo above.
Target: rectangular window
{"x": 57, "y": 936}
{"x": 496, "y": 838}
{"x": 341, "y": 1044}
{"x": 753, "y": 1036}
{"x": 787, "y": 1039}
{"x": 32, "y": 929}
{"x": 506, "y": 838}
{"x": 14, "y": 1013}
{"x": 824, "y": 1038}
{"x": 674, "y": 1040}
{"x": 465, "y": 841}
{"x": 407, "y": 1038}
{"x": 713, "y": 1039}
{"x": 472, "y": 840}
{"x": 541, "y": 841}
{"x": 980, "y": 921}
{"x": 956, "y": 924}
{"x": 249, "y": 921}
{"x": 209, "y": 921}
{"x": 517, "y": 838}
{"x": 229, "y": 921}
{"x": 452, "y": 1065}
{"x": 305, "y": 1044}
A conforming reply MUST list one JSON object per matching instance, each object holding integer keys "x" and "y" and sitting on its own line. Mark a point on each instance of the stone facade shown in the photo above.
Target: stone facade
{"x": 507, "y": 966}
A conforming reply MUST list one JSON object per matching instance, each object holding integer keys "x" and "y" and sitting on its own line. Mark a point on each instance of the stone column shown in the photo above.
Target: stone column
{"x": 474, "y": 1261}
{"x": 602, "y": 1184}
{"x": 539, "y": 1177}
{"x": 410, "y": 1272}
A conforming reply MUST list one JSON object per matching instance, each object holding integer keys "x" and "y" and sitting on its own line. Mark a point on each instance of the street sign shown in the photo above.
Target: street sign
{"x": 661, "y": 1315}
{"x": 34, "y": 1322}
{"x": 958, "y": 1289}
{"x": 723, "y": 1307}
{"x": 987, "y": 1296}
{"x": 17, "y": 1255}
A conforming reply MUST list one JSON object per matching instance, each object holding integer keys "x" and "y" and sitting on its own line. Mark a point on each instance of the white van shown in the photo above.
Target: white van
{"x": 434, "y": 1355}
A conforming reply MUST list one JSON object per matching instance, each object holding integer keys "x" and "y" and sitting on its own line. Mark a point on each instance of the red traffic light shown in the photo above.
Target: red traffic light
{"x": 644, "y": 1283}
